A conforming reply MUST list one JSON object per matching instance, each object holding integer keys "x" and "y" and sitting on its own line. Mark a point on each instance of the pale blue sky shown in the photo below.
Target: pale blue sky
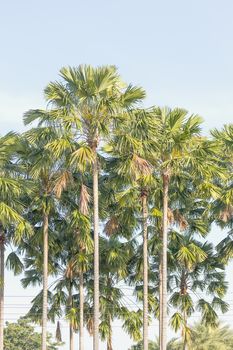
{"x": 180, "y": 51}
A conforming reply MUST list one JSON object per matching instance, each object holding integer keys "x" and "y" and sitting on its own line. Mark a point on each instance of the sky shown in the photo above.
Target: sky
{"x": 180, "y": 51}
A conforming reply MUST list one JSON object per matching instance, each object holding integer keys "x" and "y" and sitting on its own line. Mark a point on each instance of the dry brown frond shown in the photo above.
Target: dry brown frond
{"x": 180, "y": 219}
{"x": 90, "y": 326}
{"x": 84, "y": 200}
{"x": 142, "y": 166}
{"x": 170, "y": 216}
{"x": 226, "y": 214}
{"x": 61, "y": 183}
{"x": 69, "y": 272}
{"x": 111, "y": 226}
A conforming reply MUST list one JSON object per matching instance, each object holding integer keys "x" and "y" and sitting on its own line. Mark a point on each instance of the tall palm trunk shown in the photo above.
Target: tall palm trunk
{"x": 109, "y": 339}
{"x": 81, "y": 312}
{"x": 71, "y": 337}
{"x": 96, "y": 254}
{"x": 109, "y": 342}
{"x": 2, "y": 281}
{"x": 185, "y": 345}
{"x": 70, "y": 304}
{"x": 160, "y": 300}
{"x": 165, "y": 178}
{"x": 45, "y": 281}
{"x": 183, "y": 291}
{"x": 145, "y": 270}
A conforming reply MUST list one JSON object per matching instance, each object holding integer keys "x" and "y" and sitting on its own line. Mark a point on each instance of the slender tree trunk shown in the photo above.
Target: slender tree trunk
{"x": 71, "y": 337}
{"x": 183, "y": 291}
{"x": 185, "y": 345}
{"x": 70, "y": 304}
{"x": 109, "y": 340}
{"x": 81, "y": 312}
{"x": 45, "y": 281}
{"x": 96, "y": 254}
{"x": 160, "y": 301}
{"x": 2, "y": 282}
{"x": 164, "y": 262}
{"x": 145, "y": 271}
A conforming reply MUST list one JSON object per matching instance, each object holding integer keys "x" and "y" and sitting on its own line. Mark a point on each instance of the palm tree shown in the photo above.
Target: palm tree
{"x": 113, "y": 262}
{"x": 209, "y": 338}
{"x": 85, "y": 102}
{"x": 50, "y": 179}
{"x": 129, "y": 147}
{"x": 75, "y": 203}
{"x": 178, "y": 148}
{"x": 66, "y": 262}
{"x": 223, "y": 205}
{"x": 194, "y": 268}
{"x": 12, "y": 189}
{"x": 202, "y": 338}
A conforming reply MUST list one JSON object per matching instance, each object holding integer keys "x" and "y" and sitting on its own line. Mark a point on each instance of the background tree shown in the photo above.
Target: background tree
{"x": 178, "y": 148}
{"x": 202, "y": 338}
{"x": 113, "y": 262}
{"x": 50, "y": 178}
{"x": 223, "y": 205}
{"x": 128, "y": 148}
{"x": 172, "y": 345}
{"x": 22, "y": 336}
{"x": 12, "y": 223}
{"x": 208, "y": 338}
{"x": 195, "y": 269}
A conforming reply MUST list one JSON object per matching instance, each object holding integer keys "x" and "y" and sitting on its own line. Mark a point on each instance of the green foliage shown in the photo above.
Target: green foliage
{"x": 172, "y": 345}
{"x": 202, "y": 338}
{"x": 207, "y": 338}
{"x": 95, "y": 118}
{"x": 22, "y": 336}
